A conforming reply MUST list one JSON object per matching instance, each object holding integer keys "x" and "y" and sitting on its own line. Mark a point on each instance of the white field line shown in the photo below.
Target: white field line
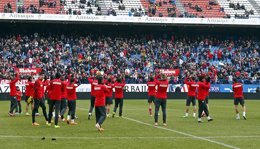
{"x": 124, "y": 137}
{"x": 179, "y": 132}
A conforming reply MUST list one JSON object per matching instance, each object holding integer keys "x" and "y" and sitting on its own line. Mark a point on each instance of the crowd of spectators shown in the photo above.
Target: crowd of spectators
{"x": 238, "y": 6}
{"x": 134, "y": 56}
{"x": 8, "y": 8}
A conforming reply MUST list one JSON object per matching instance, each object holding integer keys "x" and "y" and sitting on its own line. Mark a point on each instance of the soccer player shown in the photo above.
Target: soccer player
{"x": 192, "y": 87}
{"x": 151, "y": 93}
{"x": 71, "y": 96}
{"x": 119, "y": 95}
{"x": 13, "y": 100}
{"x": 38, "y": 97}
{"x": 161, "y": 98}
{"x": 63, "y": 106}
{"x": 100, "y": 102}
{"x": 29, "y": 95}
{"x": 238, "y": 98}
{"x": 203, "y": 89}
{"x": 55, "y": 100}
{"x": 92, "y": 82}
{"x": 18, "y": 97}
{"x": 109, "y": 95}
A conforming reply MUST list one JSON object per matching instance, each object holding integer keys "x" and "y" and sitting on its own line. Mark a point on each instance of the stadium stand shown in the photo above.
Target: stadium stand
{"x": 220, "y": 57}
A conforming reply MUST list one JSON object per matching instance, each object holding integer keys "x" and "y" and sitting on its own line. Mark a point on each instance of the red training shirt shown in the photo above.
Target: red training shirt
{"x": 110, "y": 89}
{"x": 100, "y": 92}
{"x": 55, "y": 87}
{"x": 71, "y": 91}
{"x": 63, "y": 89}
{"x": 162, "y": 86}
{"x": 12, "y": 86}
{"x": 151, "y": 88}
{"x": 203, "y": 90}
{"x": 238, "y": 90}
{"x": 29, "y": 89}
{"x": 119, "y": 87}
{"x": 18, "y": 95}
{"x": 92, "y": 82}
{"x": 192, "y": 87}
{"x": 38, "y": 89}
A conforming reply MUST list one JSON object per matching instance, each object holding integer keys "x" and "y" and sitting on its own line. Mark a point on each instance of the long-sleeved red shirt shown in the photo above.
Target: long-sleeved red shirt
{"x": 12, "y": 86}
{"x": 151, "y": 88}
{"x": 63, "y": 89}
{"x": 119, "y": 87}
{"x": 192, "y": 87}
{"x": 29, "y": 89}
{"x": 71, "y": 91}
{"x": 55, "y": 87}
{"x": 100, "y": 92}
{"x": 238, "y": 90}
{"x": 38, "y": 89}
{"x": 110, "y": 89}
{"x": 162, "y": 86}
{"x": 92, "y": 82}
{"x": 203, "y": 90}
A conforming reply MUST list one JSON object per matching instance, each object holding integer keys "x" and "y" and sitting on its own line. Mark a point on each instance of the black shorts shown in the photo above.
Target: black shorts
{"x": 109, "y": 100}
{"x": 26, "y": 99}
{"x": 207, "y": 100}
{"x": 191, "y": 99}
{"x": 239, "y": 100}
{"x": 151, "y": 99}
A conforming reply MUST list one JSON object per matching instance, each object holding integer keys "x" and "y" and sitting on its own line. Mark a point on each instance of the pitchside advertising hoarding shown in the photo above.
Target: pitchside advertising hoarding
{"x": 4, "y": 87}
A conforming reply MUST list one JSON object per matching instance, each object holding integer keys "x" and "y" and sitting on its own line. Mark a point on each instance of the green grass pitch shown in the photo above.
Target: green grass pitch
{"x": 136, "y": 130}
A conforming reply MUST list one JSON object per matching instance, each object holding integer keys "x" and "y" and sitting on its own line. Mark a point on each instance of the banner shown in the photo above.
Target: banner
{"x": 137, "y": 88}
{"x": 170, "y": 72}
{"x": 28, "y": 70}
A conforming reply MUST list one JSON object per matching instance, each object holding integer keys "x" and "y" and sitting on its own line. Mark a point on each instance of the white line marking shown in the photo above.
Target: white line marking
{"x": 183, "y": 133}
{"x": 123, "y": 138}
{"x": 179, "y": 132}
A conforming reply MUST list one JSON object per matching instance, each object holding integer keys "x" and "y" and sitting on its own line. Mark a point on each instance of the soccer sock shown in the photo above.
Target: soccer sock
{"x": 68, "y": 117}
{"x": 209, "y": 117}
{"x": 194, "y": 114}
{"x": 53, "y": 114}
{"x": 72, "y": 120}
{"x": 244, "y": 113}
{"x": 237, "y": 114}
{"x": 89, "y": 113}
{"x": 150, "y": 111}
{"x": 186, "y": 114}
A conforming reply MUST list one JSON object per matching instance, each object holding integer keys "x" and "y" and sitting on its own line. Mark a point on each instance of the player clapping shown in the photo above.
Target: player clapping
{"x": 239, "y": 98}
{"x": 192, "y": 87}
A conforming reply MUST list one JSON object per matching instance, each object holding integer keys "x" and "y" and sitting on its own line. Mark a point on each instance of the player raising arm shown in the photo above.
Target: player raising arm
{"x": 109, "y": 95}
{"x": 238, "y": 98}
{"x": 29, "y": 95}
{"x": 161, "y": 98}
{"x": 192, "y": 87}
{"x": 119, "y": 95}
{"x": 13, "y": 101}
{"x": 203, "y": 88}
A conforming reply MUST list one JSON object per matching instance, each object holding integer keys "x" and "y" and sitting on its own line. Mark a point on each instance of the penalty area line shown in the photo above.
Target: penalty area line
{"x": 183, "y": 133}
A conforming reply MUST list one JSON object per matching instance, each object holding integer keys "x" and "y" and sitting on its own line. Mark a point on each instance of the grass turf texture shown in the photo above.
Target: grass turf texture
{"x": 17, "y": 132}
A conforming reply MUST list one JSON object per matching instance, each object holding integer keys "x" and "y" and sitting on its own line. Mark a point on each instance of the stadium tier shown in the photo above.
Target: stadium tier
{"x": 152, "y": 8}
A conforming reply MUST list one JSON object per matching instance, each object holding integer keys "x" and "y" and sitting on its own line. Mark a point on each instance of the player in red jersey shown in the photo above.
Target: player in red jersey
{"x": 13, "y": 101}
{"x": 109, "y": 95}
{"x": 203, "y": 89}
{"x": 161, "y": 98}
{"x": 18, "y": 97}
{"x": 100, "y": 102}
{"x": 119, "y": 95}
{"x": 55, "y": 99}
{"x": 151, "y": 93}
{"x": 192, "y": 87}
{"x": 63, "y": 105}
{"x": 72, "y": 97}
{"x": 93, "y": 82}
{"x": 29, "y": 95}
{"x": 38, "y": 97}
{"x": 238, "y": 98}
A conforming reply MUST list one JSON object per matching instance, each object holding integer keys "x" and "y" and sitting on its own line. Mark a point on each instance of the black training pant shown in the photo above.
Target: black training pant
{"x": 72, "y": 108}
{"x": 100, "y": 114}
{"x": 203, "y": 107}
{"x": 119, "y": 102}
{"x": 63, "y": 107}
{"x": 37, "y": 103}
{"x": 13, "y": 104}
{"x": 160, "y": 103}
{"x": 18, "y": 107}
{"x": 92, "y": 103}
{"x": 53, "y": 103}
